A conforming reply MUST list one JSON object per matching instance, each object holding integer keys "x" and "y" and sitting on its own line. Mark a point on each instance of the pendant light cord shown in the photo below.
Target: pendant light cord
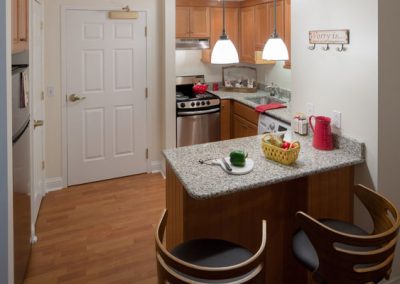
{"x": 275, "y": 34}
{"x": 224, "y": 35}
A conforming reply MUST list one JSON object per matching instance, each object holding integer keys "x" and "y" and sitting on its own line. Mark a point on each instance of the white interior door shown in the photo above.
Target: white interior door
{"x": 38, "y": 107}
{"x": 106, "y": 74}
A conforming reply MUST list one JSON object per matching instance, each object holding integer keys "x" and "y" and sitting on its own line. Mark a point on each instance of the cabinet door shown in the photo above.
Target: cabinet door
{"x": 225, "y": 119}
{"x": 232, "y": 29}
{"x": 231, "y": 22}
{"x": 280, "y": 19}
{"x": 23, "y": 20}
{"x": 199, "y": 22}
{"x": 242, "y": 127}
{"x": 247, "y": 28}
{"x": 14, "y": 22}
{"x": 288, "y": 33}
{"x": 182, "y": 22}
{"x": 262, "y": 20}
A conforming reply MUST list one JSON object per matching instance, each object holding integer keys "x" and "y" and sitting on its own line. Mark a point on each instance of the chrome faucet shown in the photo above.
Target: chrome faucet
{"x": 273, "y": 89}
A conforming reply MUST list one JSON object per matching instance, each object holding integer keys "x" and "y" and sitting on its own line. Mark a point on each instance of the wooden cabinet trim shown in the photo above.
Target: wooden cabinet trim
{"x": 226, "y": 119}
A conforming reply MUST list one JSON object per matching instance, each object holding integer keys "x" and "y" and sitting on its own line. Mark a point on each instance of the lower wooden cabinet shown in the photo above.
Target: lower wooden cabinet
{"x": 244, "y": 121}
{"x": 225, "y": 119}
{"x": 242, "y": 127}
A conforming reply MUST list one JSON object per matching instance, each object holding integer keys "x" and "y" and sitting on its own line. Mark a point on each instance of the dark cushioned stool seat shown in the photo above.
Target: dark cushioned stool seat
{"x": 211, "y": 253}
{"x": 304, "y": 250}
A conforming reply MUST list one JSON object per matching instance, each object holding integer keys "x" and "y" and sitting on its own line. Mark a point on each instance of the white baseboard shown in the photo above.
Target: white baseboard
{"x": 155, "y": 167}
{"x": 53, "y": 184}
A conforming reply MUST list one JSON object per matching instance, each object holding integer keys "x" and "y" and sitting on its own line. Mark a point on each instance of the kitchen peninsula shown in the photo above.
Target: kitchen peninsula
{"x": 205, "y": 202}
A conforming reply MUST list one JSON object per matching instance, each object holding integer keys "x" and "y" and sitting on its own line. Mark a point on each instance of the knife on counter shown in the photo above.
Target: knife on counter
{"x": 227, "y": 166}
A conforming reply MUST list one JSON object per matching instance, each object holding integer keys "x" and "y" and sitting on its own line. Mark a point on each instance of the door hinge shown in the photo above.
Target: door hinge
{"x": 42, "y": 96}
{"x": 147, "y": 154}
{"x": 41, "y": 25}
{"x": 145, "y": 31}
{"x": 147, "y": 93}
{"x": 43, "y": 165}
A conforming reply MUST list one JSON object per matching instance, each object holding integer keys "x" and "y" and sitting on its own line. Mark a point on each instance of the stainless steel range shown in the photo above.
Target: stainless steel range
{"x": 197, "y": 115}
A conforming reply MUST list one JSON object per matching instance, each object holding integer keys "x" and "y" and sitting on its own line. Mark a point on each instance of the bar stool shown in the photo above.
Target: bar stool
{"x": 208, "y": 260}
{"x": 340, "y": 252}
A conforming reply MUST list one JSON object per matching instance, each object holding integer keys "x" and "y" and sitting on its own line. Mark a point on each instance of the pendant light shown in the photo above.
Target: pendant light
{"x": 224, "y": 51}
{"x": 275, "y": 48}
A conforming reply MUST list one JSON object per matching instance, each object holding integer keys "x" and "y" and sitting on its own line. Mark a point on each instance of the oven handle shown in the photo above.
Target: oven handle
{"x": 187, "y": 113}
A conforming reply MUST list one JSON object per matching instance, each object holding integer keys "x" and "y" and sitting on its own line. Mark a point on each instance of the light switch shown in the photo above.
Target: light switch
{"x": 310, "y": 109}
{"x": 337, "y": 119}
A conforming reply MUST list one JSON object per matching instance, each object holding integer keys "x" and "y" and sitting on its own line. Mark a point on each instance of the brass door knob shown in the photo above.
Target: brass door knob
{"x": 37, "y": 123}
{"x": 75, "y": 98}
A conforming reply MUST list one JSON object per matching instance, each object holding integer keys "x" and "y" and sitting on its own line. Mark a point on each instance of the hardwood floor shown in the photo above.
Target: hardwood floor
{"x": 99, "y": 233}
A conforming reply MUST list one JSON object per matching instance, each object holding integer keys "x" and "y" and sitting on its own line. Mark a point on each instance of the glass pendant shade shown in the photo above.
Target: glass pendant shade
{"x": 224, "y": 52}
{"x": 275, "y": 49}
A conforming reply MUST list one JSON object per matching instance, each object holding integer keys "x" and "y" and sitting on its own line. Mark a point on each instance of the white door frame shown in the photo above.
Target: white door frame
{"x": 64, "y": 120}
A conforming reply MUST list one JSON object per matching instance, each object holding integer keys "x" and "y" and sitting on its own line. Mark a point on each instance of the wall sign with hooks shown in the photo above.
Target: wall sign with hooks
{"x": 329, "y": 37}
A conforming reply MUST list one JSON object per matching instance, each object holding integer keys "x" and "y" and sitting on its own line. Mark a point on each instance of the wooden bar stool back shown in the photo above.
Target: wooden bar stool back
{"x": 208, "y": 260}
{"x": 339, "y": 252}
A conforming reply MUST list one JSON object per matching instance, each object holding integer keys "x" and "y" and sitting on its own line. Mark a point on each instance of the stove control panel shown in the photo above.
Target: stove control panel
{"x": 198, "y": 104}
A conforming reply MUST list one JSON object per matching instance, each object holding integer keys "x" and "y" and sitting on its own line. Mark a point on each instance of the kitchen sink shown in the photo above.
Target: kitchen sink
{"x": 264, "y": 100}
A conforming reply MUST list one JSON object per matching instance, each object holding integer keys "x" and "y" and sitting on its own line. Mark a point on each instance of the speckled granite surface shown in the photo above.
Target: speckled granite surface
{"x": 207, "y": 181}
{"x": 282, "y": 114}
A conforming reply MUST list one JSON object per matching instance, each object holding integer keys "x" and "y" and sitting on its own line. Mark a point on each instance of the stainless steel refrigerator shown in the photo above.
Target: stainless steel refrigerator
{"x": 21, "y": 172}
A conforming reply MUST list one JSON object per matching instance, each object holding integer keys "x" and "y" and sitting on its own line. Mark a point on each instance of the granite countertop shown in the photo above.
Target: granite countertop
{"x": 282, "y": 113}
{"x": 203, "y": 181}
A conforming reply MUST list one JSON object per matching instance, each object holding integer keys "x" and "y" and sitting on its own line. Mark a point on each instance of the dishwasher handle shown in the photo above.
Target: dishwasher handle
{"x": 198, "y": 112}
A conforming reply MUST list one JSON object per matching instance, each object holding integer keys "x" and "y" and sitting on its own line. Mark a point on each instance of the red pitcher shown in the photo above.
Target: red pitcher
{"x": 322, "y": 132}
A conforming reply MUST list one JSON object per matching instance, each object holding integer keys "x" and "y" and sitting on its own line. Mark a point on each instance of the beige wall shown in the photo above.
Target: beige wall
{"x": 347, "y": 81}
{"x": 389, "y": 105}
{"x": 54, "y": 139}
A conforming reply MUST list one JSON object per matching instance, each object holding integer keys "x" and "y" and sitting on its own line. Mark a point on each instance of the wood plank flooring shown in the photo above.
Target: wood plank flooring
{"x": 99, "y": 233}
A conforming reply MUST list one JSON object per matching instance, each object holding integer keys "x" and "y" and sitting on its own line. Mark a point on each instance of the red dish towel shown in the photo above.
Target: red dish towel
{"x": 263, "y": 108}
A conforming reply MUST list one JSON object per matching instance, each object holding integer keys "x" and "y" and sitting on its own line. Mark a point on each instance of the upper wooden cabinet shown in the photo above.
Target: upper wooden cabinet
{"x": 253, "y": 33}
{"x": 192, "y": 22}
{"x": 247, "y": 38}
{"x": 232, "y": 29}
{"x": 288, "y": 33}
{"x": 263, "y": 30}
{"x": 20, "y": 22}
{"x": 249, "y": 24}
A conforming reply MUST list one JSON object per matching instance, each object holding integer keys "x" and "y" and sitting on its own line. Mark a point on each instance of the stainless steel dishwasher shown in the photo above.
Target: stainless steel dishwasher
{"x": 197, "y": 115}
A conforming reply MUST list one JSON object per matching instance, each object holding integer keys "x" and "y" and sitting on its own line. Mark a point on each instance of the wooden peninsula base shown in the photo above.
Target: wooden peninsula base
{"x": 237, "y": 217}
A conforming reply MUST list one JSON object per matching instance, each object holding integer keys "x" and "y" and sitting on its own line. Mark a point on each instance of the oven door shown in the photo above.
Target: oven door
{"x": 198, "y": 127}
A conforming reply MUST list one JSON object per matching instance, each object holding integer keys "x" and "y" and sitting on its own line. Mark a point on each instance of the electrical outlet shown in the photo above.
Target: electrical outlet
{"x": 337, "y": 119}
{"x": 310, "y": 109}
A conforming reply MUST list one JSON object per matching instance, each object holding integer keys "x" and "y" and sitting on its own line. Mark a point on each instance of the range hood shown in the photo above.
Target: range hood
{"x": 192, "y": 43}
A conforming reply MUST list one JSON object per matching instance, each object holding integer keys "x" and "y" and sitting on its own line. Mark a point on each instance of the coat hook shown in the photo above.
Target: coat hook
{"x": 326, "y": 48}
{"x": 126, "y": 8}
{"x": 312, "y": 47}
{"x": 341, "y": 48}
